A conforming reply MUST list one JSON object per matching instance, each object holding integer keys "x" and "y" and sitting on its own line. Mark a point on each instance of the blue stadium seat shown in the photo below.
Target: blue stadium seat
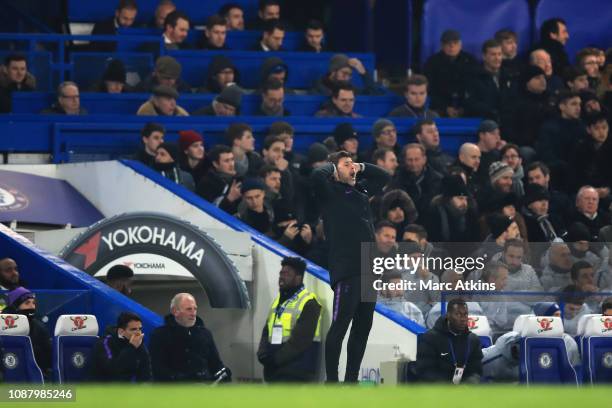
{"x": 479, "y": 325}
{"x": 597, "y": 351}
{"x": 128, "y": 104}
{"x": 74, "y": 337}
{"x": 543, "y": 356}
{"x": 18, "y": 360}
{"x": 88, "y": 67}
{"x": 304, "y": 68}
{"x": 197, "y": 10}
{"x": 589, "y": 22}
{"x": 581, "y": 327}
{"x": 476, "y": 20}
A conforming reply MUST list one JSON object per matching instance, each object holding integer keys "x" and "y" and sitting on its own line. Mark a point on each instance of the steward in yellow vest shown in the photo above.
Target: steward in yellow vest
{"x": 291, "y": 339}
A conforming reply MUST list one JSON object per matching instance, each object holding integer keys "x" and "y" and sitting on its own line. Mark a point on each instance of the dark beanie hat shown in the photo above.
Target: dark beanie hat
{"x": 535, "y": 192}
{"x": 252, "y": 184}
{"x": 231, "y": 95}
{"x": 317, "y": 152}
{"x": 487, "y": 126}
{"x": 344, "y": 132}
{"x": 283, "y": 212}
{"x": 498, "y": 200}
{"x": 115, "y": 71}
{"x": 578, "y": 232}
{"x": 119, "y": 272}
{"x": 453, "y": 186}
{"x": 18, "y": 295}
{"x": 529, "y": 72}
{"x": 449, "y": 36}
{"x": 498, "y": 223}
{"x": 187, "y": 138}
{"x": 171, "y": 148}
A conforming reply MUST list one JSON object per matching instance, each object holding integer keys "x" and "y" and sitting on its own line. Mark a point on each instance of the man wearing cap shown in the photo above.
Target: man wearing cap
{"x": 500, "y": 181}
{"x": 253, "y": 210}
{"x": 341, "y": 70}
{"x": 227, "y": 103}
{"x": 192, "y": 154}
{"x": 162, "y": 103}
{"x": 385, "y": 137}
{"x": 346, "y": 139}
{"x": 415, "y": 93}
{"x": 541, "y": 226}
{"x": 489, "y": 91}
{"x": 289, "y": 347}
{"x": 416, "y": 177}
{"x": 341, "y": 103}
{"x": 450, "y": 217}
{"x": 166, "y": 162}
{"x": 348, "y": 222}
{"x": 22, "y": 301}
{"x": 119, "y": 277}
{"x": 167, "y": 72}
{"x": 426, "y": 133}
{"x": 221, "y": 73}
{"x": 501, "y": 228}
{"x": 113, "y": 79}
{"x": 274, "y": 68}
{"x": 220, "y": 185}
{"x": 489, "y": 143}
{"x": 448, "y": 72}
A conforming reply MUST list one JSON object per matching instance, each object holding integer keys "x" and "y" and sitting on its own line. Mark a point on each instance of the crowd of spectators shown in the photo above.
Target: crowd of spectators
{"x": 532, "y": 192}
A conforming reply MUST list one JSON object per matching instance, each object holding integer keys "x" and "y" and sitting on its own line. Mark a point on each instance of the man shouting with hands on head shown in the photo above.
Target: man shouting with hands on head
{"x": 343, "y": 189}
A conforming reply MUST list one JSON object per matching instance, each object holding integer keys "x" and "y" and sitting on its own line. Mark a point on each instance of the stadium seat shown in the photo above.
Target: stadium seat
{"x": 597, "y": 354}
{"x": 588, "y": 22}
{"x": 73, "y": 340}
{"x": 519, "y": 322}
{"x": 580, "y": 328}
{"x": 479, "y": 325}
{"x": 19, "y": 362}
{"x": 543, "y": 355}
{"x": 476, "y": 20}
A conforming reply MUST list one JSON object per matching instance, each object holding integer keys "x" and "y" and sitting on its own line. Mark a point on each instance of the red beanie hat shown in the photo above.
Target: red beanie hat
{"x": 187, "y": 138}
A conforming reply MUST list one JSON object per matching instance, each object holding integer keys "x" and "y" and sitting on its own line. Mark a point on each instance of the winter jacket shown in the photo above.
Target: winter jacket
{"x": 435, "y": 355}
{"x": 114, "y": 359}
{"x": 184, "y": 354}
{"x": 448, "y": 79}
{"x": 347, "y": 216}
{"x": 148, "y": 109}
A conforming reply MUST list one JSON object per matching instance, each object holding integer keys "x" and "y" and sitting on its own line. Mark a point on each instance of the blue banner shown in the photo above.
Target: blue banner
{"x": 43, "y": 200}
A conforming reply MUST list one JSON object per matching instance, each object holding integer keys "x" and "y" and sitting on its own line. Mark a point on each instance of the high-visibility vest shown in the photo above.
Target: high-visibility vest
{"x": 292, "y": 312}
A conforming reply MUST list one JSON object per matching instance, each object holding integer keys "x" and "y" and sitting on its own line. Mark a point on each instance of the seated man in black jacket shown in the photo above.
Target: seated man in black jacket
{"x": 121, "y": 356}
{"x": 22, "y": 301}
{"x": 289, "y": 348}
{"x": 183, "y": 349}
{"x": 449, "y": 352}
{"x": 220, "y": 185}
